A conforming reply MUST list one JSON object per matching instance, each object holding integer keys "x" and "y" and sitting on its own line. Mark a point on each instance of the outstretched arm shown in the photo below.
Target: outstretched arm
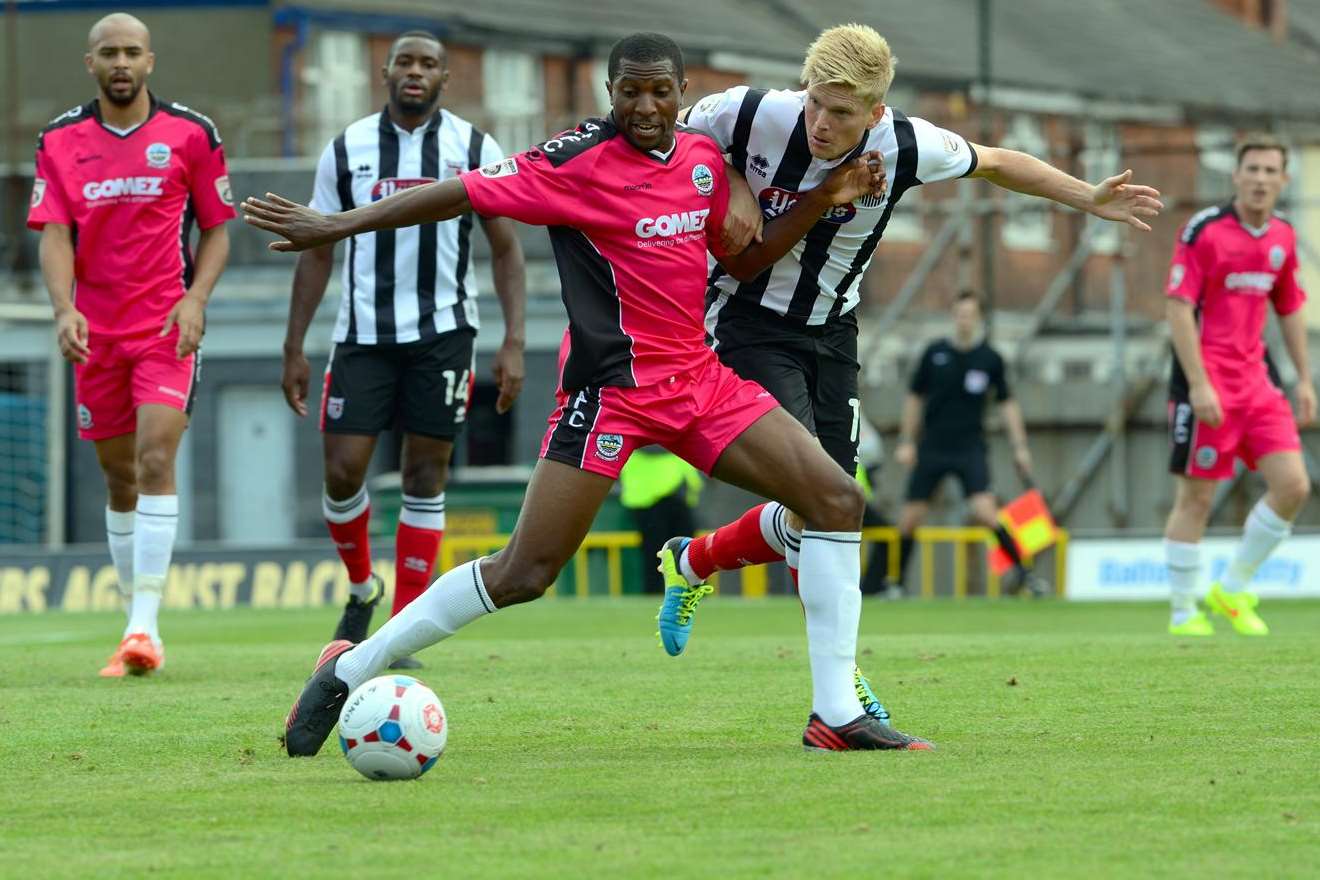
{"x": 303, "y": 227}
{"x": 1115, "y": 198}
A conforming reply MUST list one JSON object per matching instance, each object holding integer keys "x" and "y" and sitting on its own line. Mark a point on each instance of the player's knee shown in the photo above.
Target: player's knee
{"x": 1293, "y": 493}
{"x": 342, "y": 478}
{"x": 837, "y": 507}
{"x": 155, "y": 468}
{"x": 423, "y": 479}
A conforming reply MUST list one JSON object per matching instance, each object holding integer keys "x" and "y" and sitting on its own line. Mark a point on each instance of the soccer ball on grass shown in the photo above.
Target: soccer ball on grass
{"x": 393, "y": 727}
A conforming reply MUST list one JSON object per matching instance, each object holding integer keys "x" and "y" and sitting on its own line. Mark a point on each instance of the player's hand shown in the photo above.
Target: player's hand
{"x": 295, "y": 381}
{"x": 509, "y": 373}
{"x": 906, "y": 453}
{"x": 71, "y": 334}
{"x": 863, "y": 176}
{"x": 744, "y": 220}
{"x": 1120, "y": 200}
{"x": 190, "y": 315}
{"x": 1205, "y": 404}
{"x": 1305, "y": 403}
{"x": 303, "y": 228}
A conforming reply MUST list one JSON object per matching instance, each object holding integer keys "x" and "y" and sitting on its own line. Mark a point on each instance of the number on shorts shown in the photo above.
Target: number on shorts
{"x": 857, "y": 417}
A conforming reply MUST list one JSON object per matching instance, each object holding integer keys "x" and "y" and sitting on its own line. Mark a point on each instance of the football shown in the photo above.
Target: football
{"x": 393, "y": 727}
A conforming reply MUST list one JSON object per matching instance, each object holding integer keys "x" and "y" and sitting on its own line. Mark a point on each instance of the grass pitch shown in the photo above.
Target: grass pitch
{"x": 1074, "y": 740}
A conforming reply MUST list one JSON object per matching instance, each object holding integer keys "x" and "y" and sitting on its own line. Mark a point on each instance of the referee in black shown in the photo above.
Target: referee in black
{"x": 943, "y": 431}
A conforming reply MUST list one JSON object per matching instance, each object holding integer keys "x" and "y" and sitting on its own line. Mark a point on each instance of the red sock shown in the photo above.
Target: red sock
{"x": 732, "y": 546}
{"x": 415, "y": 551}
{"x": 354, "y": 545}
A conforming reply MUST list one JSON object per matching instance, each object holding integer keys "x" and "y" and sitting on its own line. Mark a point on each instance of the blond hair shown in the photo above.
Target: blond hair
{"x": 853, "y": 56}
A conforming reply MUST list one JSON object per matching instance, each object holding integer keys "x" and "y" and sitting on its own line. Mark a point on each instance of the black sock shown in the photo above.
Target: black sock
{"x": 904, "y": 557}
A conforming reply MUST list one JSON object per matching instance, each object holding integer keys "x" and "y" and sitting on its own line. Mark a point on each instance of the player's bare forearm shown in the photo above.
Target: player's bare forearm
{"x": 1024, "y": 173}
{"x": 1294, "y": 338}
{"x": 1014, "y": 424}
{"x": 311, "y": 275}
{"x": 909, "y": 424}
{"x": 510, "y": 275}
{"x": 778, "y": 236}
{"x": 55, "y": 253}
{"x": 212, "y": 255}
{"x": 303, "y": 227}
{"x": 1186, "y": 340}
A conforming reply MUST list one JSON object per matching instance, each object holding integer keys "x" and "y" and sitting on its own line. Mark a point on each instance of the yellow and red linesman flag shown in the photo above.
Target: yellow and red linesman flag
{"x": 1028, "y": 521}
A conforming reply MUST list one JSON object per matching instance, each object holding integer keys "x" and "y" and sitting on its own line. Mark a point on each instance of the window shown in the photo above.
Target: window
{"x": 1102, "y": 157}
{"x": 1026, "y": 225}
{"x": 337, "y": 84}
{"x": 1215, "y": 150}
{"x": 512, "y": 97}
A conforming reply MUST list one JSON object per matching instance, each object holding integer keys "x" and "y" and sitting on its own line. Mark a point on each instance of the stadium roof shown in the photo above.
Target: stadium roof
{"x": 1174, "y": 52}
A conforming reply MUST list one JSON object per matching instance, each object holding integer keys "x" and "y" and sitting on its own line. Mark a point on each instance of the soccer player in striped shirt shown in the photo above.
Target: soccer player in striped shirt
{"x": 119, "y": 183}
{"x": 404, "y": 340}
{"x": 793, "y": 328}
{"x": 633, "y": 204}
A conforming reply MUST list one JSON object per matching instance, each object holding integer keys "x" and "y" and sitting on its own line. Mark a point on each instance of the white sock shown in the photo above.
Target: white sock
{"x": 119, "y": 534}
{"x": 685, "y": 567}
{"x": 829, "y": 587}
{"x": 1184, "y": 562}
{"x": 774, "y": 527}
{"x": 154, "y": 527}
{"x": 1263, "y": 531}
{"x": 453, "y": 600}
{"x": 793, "y": 546}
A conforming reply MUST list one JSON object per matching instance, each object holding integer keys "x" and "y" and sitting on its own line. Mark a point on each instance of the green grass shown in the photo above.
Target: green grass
{"x": 1074, "y": 740}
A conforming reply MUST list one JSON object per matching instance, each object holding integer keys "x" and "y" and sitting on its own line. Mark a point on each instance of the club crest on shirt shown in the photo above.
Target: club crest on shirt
{"x": 38, "y": 191}
{"x": 608, "y": 446}
{"x": 1277, "y": 256}
{"x": 334, "y": 407}
{"x": 1206, "y": 457}
{"x": 223, "y": 191}
{"x": 975, "y": 381}
{"x": 158, "y": 155}
{"x": 1176, "y": 275}
{"x": 703, "y": 180}
{"x": 503, "y": 168}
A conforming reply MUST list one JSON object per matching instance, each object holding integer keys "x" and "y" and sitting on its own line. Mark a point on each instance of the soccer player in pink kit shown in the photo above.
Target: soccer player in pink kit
{"x": 632, "y": 204}
{"x": 119, "y": 183}
{"x": 1231, "y": 263}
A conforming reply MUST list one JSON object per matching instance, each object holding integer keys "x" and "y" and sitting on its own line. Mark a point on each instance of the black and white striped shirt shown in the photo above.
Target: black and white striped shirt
{"x": 403, "y": 285}
{"x": 765, "y": 136}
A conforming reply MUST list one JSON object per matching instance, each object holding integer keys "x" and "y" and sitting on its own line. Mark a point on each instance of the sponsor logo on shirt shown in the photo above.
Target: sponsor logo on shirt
{"x": 158, "y": 155}
{"x": 703, "y": 180}
{"x": 38, "y": 191}
{"x": 1257, "y": 282}
{"x": 124, "y": 187}
{"x": 976, "y": 381}
{"x": 1277, "y": 256}
{"x": 608, "y": 446}
{"x": 334, "y": 407}
{"x": 504, "y": 168}
{"x": 775, "y": 201}
{"x": 391, "y": 185}
{"x": 223, "y": 191}
{"x": 1176, "y": 275}
{"x": 672, "y": 228}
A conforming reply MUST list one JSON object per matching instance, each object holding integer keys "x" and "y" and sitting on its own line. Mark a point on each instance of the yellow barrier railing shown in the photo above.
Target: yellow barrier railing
{"x": 755, "y": 580}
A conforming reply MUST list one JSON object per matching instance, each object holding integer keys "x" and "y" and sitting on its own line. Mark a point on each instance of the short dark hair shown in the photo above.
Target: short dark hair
{"x": 413, "y": 35}
{"x": 645, "y": 47}
{"x": 967, "y": 295}
{"x": 1261, "y": 141}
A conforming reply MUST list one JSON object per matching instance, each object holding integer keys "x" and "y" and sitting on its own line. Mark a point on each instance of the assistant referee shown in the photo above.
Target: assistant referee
{"x": 942, "y": 431}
